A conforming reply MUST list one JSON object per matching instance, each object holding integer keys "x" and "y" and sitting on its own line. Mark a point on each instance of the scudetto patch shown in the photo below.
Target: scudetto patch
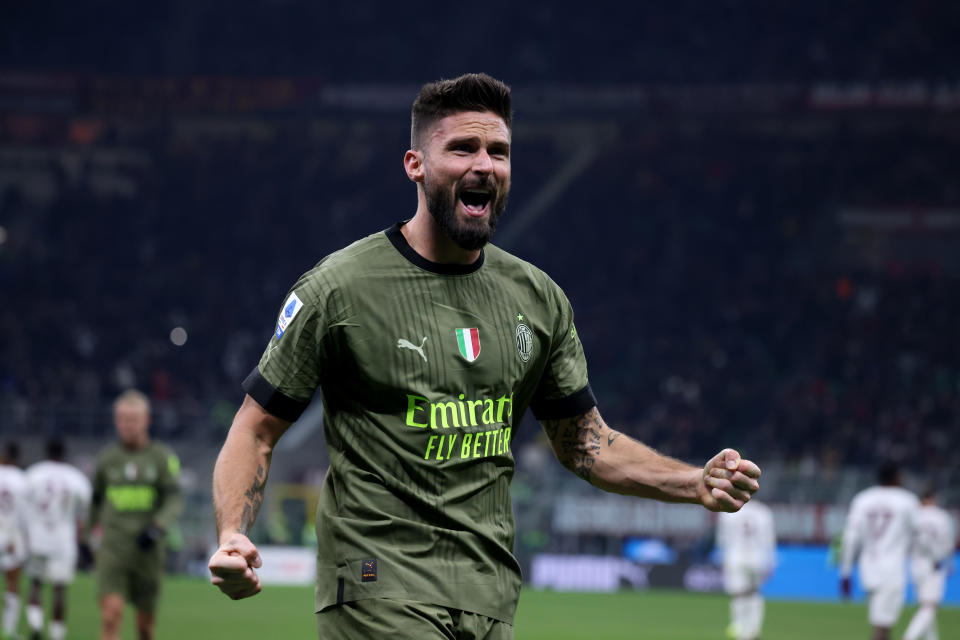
{"x": 290, "y": 310}
{"x": 468, "y": 341}
{"x": 368, "y": 570}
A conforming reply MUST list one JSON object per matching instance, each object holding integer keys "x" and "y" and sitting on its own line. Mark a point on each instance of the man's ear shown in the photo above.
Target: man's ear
{"x": 413, "y": 164}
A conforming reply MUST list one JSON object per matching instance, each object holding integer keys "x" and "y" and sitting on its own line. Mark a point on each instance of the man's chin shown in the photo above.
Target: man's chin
{"x": 472, "y": 239}
{"x": 471, "y": 233}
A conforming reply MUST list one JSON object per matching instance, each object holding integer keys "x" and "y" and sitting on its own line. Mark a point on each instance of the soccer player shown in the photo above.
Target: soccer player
{"x": 747, "y": 539}
{"x": 880, "y": 527}
{"x": 428, "y": 345}
{"x": 930, "y": 560}
{"x": 59, "y": 498}
{"x": 13, "y": 543}
{"x": 136, "y": 497}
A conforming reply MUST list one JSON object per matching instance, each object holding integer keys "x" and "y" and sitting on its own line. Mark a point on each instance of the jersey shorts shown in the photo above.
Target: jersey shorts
{"x": 13, "y": 549}
{"x": 58, "y": 568}
{"x": 135, "y": 575}
{"x": 390, "y": 618}
{"x": 740, "y": 578}
{"x": 928, "y": 581}
{"x": 885, "y": 604}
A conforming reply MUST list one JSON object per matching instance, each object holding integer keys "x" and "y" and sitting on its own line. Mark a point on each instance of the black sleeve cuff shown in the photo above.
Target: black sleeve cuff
{"x": 273, "y": 401}
{"x": 557, "y": 408}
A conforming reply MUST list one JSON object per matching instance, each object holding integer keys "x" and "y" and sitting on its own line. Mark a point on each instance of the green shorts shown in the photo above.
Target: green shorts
{"x": 135, "y": 576}
{"x": 387, "y": 618}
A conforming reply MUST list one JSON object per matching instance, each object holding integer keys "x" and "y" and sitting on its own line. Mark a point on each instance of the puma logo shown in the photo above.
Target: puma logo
{"x": 406, "y": 344}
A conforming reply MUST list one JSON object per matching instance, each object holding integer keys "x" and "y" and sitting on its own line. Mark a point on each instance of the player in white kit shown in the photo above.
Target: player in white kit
{"x": 13, "y": 543}
{"x": 59, "y": 499}
{"x": 930, "y": 560}
{"x": 747, "y": 540}
{"x": 880, "y": 528}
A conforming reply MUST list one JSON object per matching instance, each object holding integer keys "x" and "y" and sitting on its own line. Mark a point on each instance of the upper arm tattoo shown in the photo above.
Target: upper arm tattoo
{"x": 579, "y": 440}
{"x": 254, "y": 496}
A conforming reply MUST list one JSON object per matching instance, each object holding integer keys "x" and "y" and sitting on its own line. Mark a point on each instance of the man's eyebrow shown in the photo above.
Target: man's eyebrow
{"x": 475, "y": 140}
{"x": 453, "y": 142}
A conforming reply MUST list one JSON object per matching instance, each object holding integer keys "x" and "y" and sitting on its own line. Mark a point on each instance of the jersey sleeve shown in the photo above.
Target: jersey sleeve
{"x": 170, "y": 500}
{"x": 770, "y": 539}
{"x": 723, "y": 533}
{"x": 84, "y": 492}
{"x": 851, "y": 539}
{"x": 288, "y": 373}
{"x": 563, "y": 390}
{"x": 99, "y": 488}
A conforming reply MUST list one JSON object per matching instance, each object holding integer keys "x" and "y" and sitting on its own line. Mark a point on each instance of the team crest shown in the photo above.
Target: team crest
{"x": 290, "y": 310}
{"x": 524, "y": 342}
{"x": 468, "y": 341}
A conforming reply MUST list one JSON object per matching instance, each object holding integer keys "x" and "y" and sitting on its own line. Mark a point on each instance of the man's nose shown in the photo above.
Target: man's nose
{"x": 482, "y": 162}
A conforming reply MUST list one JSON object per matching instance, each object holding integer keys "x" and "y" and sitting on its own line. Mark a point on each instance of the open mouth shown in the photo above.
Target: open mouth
{"x": 475, "y": 201}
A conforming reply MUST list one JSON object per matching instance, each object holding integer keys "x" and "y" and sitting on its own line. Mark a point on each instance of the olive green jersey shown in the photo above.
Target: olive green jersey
{"x": 425, "y": 372}
{"x": 133, "y": 490}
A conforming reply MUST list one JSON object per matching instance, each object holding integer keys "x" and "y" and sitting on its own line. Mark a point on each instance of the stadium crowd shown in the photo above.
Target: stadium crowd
{"x": 715, "y": 286}
{"x": 350, "y": 39}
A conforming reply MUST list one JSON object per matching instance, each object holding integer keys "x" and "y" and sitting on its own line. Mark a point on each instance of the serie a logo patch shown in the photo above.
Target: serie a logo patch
{"x": 290, "y": 310}
{"x": 368, "y": 570}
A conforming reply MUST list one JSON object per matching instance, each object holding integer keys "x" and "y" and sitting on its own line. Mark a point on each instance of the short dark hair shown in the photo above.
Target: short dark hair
{"x": 55, "y": 449}
{"x": 888, "y": 473}
{"x": 469, "y": 92}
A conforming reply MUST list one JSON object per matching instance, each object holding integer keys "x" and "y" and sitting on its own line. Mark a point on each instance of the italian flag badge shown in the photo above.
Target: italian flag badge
{"x": 469, "y": 342}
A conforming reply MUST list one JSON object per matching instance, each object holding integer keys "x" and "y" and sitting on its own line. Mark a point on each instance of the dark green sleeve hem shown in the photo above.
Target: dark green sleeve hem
{"x": 557, "y": 408}
{"x": 272, "y": 400}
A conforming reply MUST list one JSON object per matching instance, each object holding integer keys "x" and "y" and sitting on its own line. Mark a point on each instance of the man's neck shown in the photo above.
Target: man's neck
{"x": 136, "y": 446}
{"x": 425, "y": 237}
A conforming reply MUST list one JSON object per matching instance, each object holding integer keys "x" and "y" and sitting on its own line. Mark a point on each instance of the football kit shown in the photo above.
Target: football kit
{"x": 135, "y": 492}
{"x": 59, "y": 496}
{"x": 880, "y": 528}
{"x": 13, "y": 501}
{"x": 425, "y": 372}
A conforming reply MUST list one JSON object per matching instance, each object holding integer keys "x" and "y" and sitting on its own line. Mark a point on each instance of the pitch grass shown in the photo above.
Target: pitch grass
{"x": 193, "y": 609}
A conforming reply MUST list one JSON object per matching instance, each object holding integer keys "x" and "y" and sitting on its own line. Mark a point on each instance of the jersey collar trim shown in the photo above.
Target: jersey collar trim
{"x": 400, "y": 243}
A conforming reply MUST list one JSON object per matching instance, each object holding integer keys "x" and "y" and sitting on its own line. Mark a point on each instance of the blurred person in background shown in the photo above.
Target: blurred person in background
{"x": 429, "y": 345}
{"x": 879, "y": 529}
{"x": 13, "y": 539}
{"x": 59, "y": 500}
{"x": 747, "y": 541}
{"x": 931, "y": 559}
{"x": 136, "y": 498}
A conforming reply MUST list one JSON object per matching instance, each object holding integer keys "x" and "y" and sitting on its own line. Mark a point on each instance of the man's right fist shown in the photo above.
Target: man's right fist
{"x": 232, "y": 567}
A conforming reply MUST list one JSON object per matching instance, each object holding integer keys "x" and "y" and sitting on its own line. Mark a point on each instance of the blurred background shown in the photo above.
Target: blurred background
{"x": 754, "y": 209}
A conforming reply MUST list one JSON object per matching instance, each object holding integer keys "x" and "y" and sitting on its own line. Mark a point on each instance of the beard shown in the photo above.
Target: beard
{"x": 470, "y": 234}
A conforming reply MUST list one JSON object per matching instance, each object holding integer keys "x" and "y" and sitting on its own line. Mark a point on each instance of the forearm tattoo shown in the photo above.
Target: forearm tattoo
{"x": 254, "y": 496}
{"x": 578, "y": 441}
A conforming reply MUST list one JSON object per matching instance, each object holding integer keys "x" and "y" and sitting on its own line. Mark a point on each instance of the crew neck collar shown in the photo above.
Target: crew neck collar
{"x": 447, "y": 269}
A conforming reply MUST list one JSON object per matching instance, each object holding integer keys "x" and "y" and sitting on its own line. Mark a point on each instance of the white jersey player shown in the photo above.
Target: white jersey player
{"x": 59, "y": 500}
{"x": 747, "y": 540}
{"x": 13, "y": 541}
{"x": 880, "y": 528}
{"x": 930, "y": 560}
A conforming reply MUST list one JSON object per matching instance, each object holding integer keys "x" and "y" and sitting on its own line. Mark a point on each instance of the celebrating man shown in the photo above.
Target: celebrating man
{"x": 428, "y": 345}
